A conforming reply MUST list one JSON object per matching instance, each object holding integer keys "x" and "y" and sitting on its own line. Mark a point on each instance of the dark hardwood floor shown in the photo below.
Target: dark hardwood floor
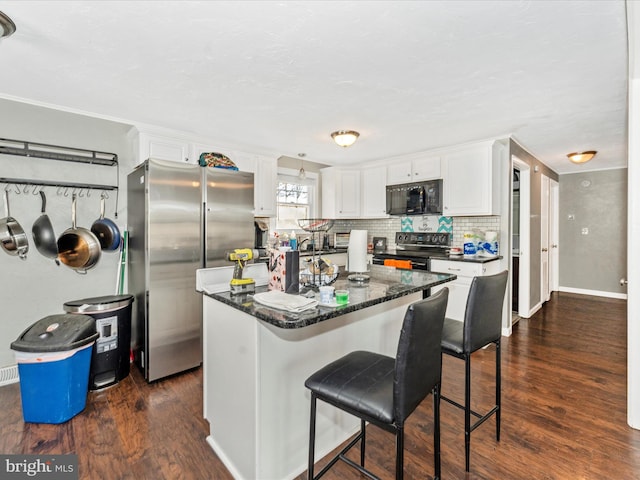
{"x": 564, "y": 414}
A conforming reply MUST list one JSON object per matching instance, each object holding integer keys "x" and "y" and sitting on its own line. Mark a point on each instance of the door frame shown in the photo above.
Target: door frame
{"x": 544, "y": 238}
{"x": 524, "y": 277}
{"x": 554, "y": 235}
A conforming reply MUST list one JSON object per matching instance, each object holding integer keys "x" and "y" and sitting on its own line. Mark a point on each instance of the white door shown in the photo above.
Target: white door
{"x": 544, "y": 240}
{"x": 554, "y": 236}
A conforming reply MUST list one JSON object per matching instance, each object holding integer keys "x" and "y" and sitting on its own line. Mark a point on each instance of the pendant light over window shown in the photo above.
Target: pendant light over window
{"x": 7, "y": 27}
{"x": 345, "y": 138}
{"x": 301, "y": 173}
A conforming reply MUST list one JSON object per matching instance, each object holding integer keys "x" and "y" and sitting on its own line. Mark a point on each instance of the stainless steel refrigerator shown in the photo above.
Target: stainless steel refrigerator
{"x": 181, "y": 217}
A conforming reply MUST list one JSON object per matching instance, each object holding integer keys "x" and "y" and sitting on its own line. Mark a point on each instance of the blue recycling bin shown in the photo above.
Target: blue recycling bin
{"x": 53, "y": 357}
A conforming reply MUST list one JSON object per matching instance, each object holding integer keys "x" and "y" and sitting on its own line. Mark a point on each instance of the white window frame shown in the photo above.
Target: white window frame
{"x": 311, "y": 180}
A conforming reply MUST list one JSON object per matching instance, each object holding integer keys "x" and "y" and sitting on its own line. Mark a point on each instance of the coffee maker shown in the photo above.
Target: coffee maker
{"x": 261, "y": 236}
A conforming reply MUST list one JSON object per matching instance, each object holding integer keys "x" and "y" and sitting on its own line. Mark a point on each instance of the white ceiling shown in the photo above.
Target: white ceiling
{"x": 278, "y": 77}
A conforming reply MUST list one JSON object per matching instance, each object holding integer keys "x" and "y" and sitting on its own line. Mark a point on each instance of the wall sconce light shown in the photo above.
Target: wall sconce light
{"x": 7, "y": 27}
{"x": 582, "y": 157}
{"x": 345, "y": 138}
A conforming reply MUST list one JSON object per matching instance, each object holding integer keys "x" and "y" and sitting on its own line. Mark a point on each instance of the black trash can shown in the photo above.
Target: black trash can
{"x": 111, "y": 356}
{"x": 53, "y": 356}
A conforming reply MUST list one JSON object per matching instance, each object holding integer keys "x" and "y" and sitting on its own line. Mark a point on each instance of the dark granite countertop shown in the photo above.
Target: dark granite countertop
{"x": 386, "y": 283}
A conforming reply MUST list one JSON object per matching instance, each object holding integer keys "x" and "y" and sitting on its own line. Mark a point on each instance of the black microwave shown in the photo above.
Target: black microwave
{"x": 421, "y": 198}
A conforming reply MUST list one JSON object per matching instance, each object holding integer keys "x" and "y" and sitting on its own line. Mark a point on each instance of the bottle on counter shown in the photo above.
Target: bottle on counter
{"x": 284, "y": 240}
{"x": 293, "y": 241}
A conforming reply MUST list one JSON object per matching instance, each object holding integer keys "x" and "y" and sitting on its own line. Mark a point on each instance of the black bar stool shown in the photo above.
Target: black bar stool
{"x": 482, "y": 325}
{"x": 383, "y": 390}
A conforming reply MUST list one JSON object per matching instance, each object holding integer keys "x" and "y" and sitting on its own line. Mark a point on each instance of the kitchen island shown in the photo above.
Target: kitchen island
{"x": 256, "y": 360}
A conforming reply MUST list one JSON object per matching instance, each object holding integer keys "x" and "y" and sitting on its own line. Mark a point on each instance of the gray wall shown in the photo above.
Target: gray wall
{"x": 597, "y": 201}
{"x": 36, "y": 287}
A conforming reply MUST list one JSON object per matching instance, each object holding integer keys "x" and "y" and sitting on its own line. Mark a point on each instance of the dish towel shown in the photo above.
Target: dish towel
{"x": 285, "y": 301}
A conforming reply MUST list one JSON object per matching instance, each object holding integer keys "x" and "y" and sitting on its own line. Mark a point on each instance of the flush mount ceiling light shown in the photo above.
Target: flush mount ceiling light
{"x": 582, "y": 157}
{"x": 7, "y": 27}
{"x": 345, "y": 138}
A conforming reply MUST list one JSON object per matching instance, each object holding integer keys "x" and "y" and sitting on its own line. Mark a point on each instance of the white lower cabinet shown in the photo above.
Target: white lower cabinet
{"x": 459, "y": 288}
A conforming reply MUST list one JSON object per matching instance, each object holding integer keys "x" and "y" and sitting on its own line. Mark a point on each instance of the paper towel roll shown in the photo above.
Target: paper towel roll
{"x": 357, "y": 253}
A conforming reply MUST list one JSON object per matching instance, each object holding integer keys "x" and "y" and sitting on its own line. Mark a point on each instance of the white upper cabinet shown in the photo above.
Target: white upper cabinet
{"x": 340, "y": 193}
{"x": 165, "y": 148}
{"x": 415, "y": 169}
{"x": 266, "y": 187}
{"x": 470, "y": 181}
{"x": 374, "y": 192}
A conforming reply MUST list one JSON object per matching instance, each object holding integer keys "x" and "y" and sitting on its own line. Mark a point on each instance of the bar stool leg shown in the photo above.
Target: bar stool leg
{"x": 399, "y": 453}
{"x": 498, "y": 390}
{"x": 467, "y": 409}
{"x": 363, "y": 427}
{"x": 312, "y": 437}
{"x": 436, "y": 431}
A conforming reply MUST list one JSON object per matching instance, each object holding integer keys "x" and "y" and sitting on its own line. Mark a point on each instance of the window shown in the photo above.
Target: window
{"x": 295, "y": 200}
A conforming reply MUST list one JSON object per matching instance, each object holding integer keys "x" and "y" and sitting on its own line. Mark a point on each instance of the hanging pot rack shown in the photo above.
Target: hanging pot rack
{"x": 25, "y": 148}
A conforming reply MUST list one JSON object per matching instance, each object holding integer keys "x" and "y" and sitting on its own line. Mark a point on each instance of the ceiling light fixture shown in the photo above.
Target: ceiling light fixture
{"x": 301, "y": 173}
{"x": 582, "y": 157}
{"x": 7, "y": 27}
{"x": 345, "y": 138}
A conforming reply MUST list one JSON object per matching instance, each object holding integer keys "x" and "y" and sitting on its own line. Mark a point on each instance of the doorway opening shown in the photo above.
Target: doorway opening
{"x": 520, "y": 239}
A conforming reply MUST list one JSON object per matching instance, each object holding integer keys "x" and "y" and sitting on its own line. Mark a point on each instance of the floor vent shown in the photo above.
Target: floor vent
{"x": 9, "y": 375}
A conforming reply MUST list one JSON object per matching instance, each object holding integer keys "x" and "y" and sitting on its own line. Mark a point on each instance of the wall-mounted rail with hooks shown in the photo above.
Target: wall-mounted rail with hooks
{"x": 46, "y": 183}
{"x": 69, "y": 154}
{"x": 25, "y": 148}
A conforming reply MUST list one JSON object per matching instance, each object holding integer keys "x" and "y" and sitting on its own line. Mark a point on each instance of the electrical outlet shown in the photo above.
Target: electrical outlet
{"x": 585, "y": 231}
{"x": 571, "y": 216}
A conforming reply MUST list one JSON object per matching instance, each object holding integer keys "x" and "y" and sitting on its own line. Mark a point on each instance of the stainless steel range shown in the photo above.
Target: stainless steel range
{"x": 417, "y": 248}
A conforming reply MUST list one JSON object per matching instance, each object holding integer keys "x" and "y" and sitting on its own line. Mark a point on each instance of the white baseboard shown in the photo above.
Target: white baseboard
{"x": 9, "y": 375}
{"x": 595, "y": 293}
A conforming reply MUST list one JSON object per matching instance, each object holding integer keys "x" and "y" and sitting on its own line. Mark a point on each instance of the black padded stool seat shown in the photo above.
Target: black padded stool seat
{"x": 383, "y": 390}
{"x": 359, "y": 382}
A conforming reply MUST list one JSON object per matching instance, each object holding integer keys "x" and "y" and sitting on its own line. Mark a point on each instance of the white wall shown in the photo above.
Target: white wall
{"x": 36, "y": 287}
{"x": 633, "y": 232}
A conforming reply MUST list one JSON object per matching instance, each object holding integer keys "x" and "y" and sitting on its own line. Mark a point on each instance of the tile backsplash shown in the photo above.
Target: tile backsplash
{"x": 387, "y": 227}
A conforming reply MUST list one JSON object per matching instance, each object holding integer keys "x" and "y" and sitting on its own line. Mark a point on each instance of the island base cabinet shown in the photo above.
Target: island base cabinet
{"x": 459, "y": 288}
{"x": 254, "y": 395}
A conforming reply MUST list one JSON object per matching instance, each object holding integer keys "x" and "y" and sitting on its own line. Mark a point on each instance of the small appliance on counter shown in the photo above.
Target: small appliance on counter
{"x": 379, "y": 244}
{"x": 261, "y": 240}
{"x": 341, "y": 240}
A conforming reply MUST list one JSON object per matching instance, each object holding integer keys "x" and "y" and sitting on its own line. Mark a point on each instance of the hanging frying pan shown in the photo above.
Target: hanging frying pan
{"x": 78, "y": 248}
{"x": 44, "y": 237}
{"x": 12, "y": 237}
{"x": 106, "y": 230}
